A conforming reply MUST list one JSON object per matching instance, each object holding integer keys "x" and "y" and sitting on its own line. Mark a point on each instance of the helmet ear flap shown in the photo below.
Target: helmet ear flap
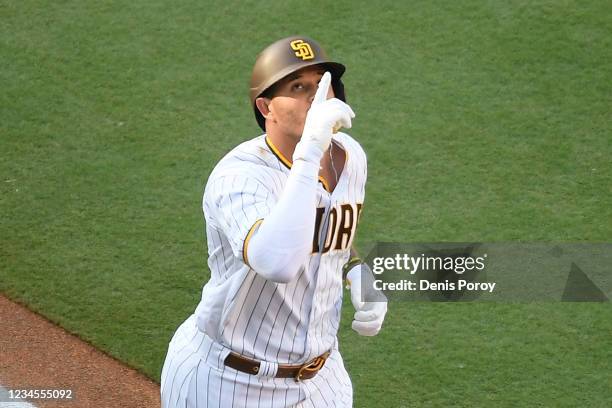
{"x": 338, "y": 88}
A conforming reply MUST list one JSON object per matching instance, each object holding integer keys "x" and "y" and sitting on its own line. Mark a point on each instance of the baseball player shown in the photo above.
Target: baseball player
{"x": 281, "y": 213}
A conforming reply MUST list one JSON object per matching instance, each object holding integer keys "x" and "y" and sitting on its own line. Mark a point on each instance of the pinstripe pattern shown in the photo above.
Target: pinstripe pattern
{"x": 283, "y": 323}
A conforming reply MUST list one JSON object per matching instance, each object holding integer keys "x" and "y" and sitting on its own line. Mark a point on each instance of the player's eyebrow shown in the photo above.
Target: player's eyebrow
{"x": 293, "y": 77}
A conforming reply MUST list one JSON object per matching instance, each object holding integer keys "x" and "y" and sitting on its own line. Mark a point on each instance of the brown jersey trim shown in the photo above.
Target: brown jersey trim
{"x": 245, "y": 244}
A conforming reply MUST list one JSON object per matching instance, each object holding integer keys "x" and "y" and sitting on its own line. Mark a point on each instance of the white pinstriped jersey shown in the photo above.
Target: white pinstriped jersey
{"x": 288, "y": 323}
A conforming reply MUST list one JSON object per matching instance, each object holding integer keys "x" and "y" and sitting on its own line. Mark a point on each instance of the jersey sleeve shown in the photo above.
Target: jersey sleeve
{"x": 236, "y": 204}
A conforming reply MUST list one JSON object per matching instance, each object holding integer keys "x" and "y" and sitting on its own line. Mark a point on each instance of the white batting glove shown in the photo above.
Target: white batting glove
{"x": 323, "y": 117}
{"x": 369, "y": 316}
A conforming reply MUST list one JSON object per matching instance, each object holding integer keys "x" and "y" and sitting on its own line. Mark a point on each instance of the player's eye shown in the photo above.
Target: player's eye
{"x": 298, "y": 86}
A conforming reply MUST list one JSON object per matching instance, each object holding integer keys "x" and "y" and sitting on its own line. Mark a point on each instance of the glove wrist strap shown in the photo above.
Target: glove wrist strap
{"x": 354, "y": 261}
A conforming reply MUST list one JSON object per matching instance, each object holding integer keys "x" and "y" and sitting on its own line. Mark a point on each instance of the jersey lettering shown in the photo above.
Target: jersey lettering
{"x": 341, "y": 228}
{"x": 329, "y": 237}
{"x": 315, "y": 238}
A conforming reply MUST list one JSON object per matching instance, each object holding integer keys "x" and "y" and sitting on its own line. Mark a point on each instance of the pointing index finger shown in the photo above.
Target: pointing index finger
{"x": 323, "y": 88}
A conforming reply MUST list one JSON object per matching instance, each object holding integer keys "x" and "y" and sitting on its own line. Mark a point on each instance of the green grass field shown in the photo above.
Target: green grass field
{"x": 482, "y": 120}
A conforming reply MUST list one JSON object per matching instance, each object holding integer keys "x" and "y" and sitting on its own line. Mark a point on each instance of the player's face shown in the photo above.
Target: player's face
{"x": 292, "y": 98}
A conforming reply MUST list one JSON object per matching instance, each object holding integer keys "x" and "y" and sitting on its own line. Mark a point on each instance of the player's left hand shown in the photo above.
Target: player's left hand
{"x": 369, "y": 315}
{"x": 369, "y": 319}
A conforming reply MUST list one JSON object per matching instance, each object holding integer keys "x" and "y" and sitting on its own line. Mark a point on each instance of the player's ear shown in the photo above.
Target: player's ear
{"x": 263, "y": 105}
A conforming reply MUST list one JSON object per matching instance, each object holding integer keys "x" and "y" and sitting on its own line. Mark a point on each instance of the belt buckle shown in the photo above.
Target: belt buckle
{"x": 313, "y": 365}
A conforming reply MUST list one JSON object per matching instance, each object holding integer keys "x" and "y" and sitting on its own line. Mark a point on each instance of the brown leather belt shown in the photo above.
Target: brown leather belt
{"x": 299, "y": 372}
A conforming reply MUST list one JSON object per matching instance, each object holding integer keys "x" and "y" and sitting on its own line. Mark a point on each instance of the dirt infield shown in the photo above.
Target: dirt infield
{"x": 36, "y": 354}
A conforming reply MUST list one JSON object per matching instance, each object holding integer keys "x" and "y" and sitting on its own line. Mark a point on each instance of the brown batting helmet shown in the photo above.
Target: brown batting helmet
{"x": 284, "y": 57}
